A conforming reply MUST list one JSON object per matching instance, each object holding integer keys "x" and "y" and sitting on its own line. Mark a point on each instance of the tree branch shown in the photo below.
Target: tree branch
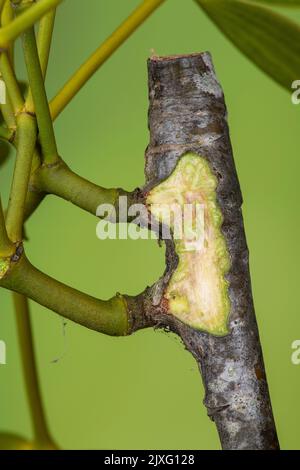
{"x": 112, "y": 317}
{"x": 187, "y": 116}
{"x": 44, "y": 39}
{"x": 61, "y": 181}
{"x": 85, "y": 72}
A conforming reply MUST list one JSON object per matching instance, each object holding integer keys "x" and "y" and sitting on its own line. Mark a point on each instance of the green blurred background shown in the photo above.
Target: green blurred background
{"x": 145, "y": 391}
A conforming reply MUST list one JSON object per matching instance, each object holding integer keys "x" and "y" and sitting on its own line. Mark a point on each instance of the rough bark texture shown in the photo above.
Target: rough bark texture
{"x": 188, "y": 113}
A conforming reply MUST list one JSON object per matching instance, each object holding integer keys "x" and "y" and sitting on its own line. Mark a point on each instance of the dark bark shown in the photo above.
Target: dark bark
{"x": 188, "y": 113}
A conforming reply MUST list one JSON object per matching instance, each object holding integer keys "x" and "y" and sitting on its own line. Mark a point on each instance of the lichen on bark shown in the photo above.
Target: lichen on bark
{"x": 186, "y": 202}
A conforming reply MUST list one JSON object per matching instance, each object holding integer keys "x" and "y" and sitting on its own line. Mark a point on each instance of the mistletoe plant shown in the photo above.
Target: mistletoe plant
{"x": 204, "y": 296}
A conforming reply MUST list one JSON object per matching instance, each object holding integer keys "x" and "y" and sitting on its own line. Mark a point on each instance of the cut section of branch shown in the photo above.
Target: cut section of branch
{"x": 41, "y": 434}
{"x": 197, "y": 293}
{"x": 39, "y": 103}
{"x": 85, "y": 72}
{"x": 26, "y": 139}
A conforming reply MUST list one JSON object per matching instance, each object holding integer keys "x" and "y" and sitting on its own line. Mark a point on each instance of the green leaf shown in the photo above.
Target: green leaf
{"x": 270, "y": 40}
{"x": 282, "y": 3}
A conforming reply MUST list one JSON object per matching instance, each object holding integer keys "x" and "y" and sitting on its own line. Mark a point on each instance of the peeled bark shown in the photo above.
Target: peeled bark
{"x": 188, "y": 114}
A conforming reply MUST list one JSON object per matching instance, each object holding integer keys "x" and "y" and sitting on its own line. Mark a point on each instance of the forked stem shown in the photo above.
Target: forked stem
{"x": 44, "y": 39}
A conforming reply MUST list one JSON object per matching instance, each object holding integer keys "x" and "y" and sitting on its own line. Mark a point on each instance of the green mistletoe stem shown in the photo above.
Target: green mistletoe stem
{"x": 15, "y": 28}
{"x": 6, "y": 247}
{"x": 37, "y": 99}
{"x": 44, "y": 39}
{"x": 29, "y": 366}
